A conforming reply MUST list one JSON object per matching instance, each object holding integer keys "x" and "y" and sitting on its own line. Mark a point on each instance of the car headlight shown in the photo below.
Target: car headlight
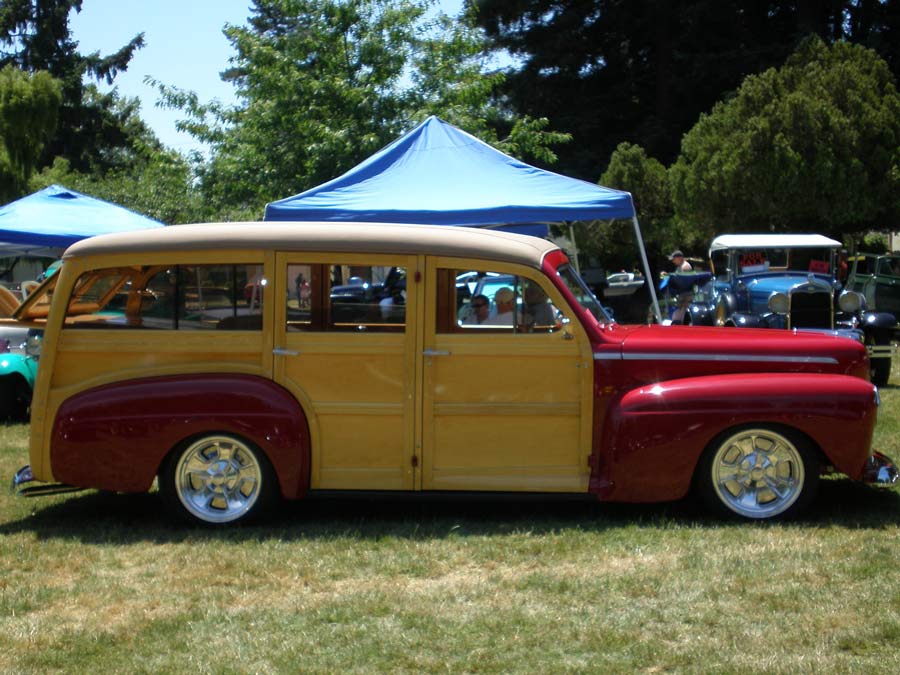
{"x": 33, "y": 344}
{"x": 779, "y": 303}
{"x": 850, "y": 302}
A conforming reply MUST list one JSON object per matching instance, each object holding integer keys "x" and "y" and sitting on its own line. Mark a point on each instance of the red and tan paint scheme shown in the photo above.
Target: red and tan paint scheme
{"x": 619, "y": 412}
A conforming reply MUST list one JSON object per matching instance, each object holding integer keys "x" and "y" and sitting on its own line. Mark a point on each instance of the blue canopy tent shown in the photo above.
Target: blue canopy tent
{"x": 438, "y": 174}
{"x": 44, "y": 223}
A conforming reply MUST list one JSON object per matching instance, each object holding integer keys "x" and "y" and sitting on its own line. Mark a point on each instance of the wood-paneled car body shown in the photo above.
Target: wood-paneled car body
{"x": 285, "y": 391}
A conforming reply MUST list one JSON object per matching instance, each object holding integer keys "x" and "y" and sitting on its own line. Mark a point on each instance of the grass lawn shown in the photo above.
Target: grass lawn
{"x": 104, "y": 583}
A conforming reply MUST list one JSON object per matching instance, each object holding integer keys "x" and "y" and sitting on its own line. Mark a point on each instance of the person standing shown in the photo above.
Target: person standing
{"x": 680, "y": 262}
{"x": 682, "y": 300}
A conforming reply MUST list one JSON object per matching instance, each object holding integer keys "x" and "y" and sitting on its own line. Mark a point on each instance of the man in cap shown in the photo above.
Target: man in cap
{"x": 680, "y": 262}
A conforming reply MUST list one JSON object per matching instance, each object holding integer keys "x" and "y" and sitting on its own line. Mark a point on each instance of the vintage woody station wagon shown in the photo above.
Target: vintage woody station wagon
{"x": 244, "y": 363}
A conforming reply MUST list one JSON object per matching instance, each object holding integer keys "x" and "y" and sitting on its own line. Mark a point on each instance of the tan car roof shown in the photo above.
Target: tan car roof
{"x": 324, "y": 237}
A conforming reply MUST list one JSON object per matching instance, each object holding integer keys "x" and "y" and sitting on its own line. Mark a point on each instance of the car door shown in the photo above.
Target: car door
{"x": 506, "y": 406}
{"x": 345, "y": 346}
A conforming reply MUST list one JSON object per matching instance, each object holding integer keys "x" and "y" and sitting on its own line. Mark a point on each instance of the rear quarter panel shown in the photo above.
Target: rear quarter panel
{"x": 115, "y": 436}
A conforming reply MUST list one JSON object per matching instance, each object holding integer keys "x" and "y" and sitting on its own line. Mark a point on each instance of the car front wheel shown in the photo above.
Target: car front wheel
{"x": 758, "y": 473}
{"x": 217, "y": 479}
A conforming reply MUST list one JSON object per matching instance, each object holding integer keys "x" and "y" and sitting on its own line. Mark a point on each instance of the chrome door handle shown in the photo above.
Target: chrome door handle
{"x": 281, "y": 351}
{"x": 435, "y": 352}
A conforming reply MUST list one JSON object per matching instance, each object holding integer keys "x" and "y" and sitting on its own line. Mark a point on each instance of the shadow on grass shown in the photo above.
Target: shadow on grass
{"x": 102, "y": 518}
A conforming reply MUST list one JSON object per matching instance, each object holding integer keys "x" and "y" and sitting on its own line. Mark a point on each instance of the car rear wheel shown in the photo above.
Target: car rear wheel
{"x": 217, "y": 479}
{"x": 758, "y": 473}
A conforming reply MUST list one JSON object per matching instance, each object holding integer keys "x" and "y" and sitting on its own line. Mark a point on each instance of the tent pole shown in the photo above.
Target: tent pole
{"x": 650, "y": 280}
{"x": 574, "y": 247}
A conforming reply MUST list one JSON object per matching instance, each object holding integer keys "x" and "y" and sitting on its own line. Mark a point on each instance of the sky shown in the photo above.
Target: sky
{"x": 184, "y": 47}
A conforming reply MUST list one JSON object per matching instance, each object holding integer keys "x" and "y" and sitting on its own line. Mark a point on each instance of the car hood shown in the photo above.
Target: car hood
{"x": 782, "y": 283}
{"x": 693, "y": 350}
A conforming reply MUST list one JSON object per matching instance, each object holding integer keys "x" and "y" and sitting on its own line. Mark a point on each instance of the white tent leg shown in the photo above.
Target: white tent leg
{"x": 574, "y": 247}
{"x": 649, "y": 277}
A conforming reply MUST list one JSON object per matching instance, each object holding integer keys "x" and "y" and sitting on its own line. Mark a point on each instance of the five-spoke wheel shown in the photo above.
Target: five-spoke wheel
{"x": 217, "y": 479}
{"x": 759, "y": 473}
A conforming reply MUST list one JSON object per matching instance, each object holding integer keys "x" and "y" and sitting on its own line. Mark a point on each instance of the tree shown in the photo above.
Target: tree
{"x": 96, "y": 131}
{"x": 323, "y": 84}
{"x": 630, "y": 169}
{"x": 160, "y": 187}
{"x": 29, "y": 106}
{"x": 642, "y": 71}
{"x": 812, "y": 146}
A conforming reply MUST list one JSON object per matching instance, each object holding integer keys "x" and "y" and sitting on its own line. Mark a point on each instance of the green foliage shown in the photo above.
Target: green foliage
{"x": 812, "y": 146}
{"x": 29, "y": 106}
{"x": 323, "y": 84}
{"x": 96, "y": 132}
{"x": 644, "y": 70}
{"x": 875, "y": 242}
{"x": 159, "y": 187}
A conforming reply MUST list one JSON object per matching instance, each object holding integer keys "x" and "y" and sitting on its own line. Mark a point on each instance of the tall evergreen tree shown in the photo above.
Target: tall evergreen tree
{"x": 642, "y": 71}
{"x": 97, "y": 131}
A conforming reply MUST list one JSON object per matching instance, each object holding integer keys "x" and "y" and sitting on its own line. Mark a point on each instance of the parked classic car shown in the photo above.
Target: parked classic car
{"x": 17, "y": 367}
{"x": 877, "y": 277}
{"x": 623, "y": 283}
{"x": 790, "y": 281}
{"x": 231, "y": 417}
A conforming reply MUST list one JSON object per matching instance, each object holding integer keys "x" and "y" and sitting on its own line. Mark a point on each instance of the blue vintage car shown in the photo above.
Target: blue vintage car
{"x": 791, "y": 281}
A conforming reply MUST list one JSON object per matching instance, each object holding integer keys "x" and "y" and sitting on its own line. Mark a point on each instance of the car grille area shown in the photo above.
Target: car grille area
{"x": 810, "y": 310}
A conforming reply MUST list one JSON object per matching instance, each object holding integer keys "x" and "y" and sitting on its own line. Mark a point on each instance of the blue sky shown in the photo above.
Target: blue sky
{"x": 184, "y": 48}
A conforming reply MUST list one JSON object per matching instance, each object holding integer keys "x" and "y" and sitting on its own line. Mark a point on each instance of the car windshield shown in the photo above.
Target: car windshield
{"x": 582, "y": 293}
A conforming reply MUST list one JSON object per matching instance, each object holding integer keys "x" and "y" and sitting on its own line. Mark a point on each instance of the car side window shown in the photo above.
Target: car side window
{"x": 337, "y": 297}
{"x": 487, "y": 301}
{"x": 169, "y": 297}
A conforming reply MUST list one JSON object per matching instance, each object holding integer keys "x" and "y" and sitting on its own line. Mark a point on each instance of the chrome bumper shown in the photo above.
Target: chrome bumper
{"x": 880, "y": 470}
{"x": 21, "y": 488}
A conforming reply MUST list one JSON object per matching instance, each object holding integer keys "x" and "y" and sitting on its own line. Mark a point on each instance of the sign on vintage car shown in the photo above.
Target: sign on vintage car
{"x": 240, "y": 364}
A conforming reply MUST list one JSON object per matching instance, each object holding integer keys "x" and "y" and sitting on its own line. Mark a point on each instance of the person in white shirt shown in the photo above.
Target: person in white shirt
{"x": 505, "y": 301}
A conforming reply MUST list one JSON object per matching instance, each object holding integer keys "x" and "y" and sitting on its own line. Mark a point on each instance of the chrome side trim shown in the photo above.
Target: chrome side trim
{"x": 680, "y": 356}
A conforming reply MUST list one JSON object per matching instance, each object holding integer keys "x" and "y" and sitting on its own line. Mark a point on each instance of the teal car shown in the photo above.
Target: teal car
{"x": 19, "y": 351}
{"x": 17, "y": 373}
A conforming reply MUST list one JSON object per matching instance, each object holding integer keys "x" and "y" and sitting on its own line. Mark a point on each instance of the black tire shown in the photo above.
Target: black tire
{"x": 217, "y": 479}
{"x": 880, "y": 371}
{"x": 15, "y": 398}
{"x": 758, "y": 472}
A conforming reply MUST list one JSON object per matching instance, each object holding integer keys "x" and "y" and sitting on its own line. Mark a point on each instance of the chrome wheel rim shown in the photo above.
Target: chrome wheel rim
{"x": 758, "y": 473}
{"x": 218, "y": 479}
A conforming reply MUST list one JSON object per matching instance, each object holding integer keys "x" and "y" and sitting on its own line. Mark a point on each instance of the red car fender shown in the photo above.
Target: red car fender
{"x": 654, "y": 435}
{"x": 115, "y": 437}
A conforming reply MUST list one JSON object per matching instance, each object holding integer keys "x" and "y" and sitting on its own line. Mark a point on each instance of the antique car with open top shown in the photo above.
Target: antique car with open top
{"x": 160, "y": 365}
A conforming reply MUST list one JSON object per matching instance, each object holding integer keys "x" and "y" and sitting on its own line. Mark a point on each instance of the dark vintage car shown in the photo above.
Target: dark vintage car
{"x": 877, "y": 277}
{"x": 791, "y": 281}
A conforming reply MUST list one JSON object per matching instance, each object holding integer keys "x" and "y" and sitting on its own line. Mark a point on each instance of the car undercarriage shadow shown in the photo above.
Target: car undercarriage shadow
{"x": 103, "y": 518}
